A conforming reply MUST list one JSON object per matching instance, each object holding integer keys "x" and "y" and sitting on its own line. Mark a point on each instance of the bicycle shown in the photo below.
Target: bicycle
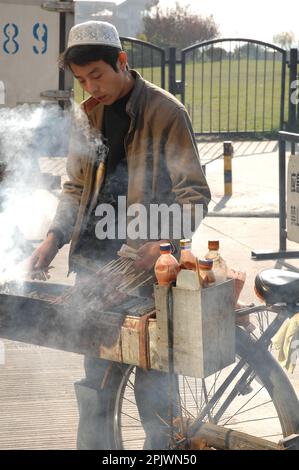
{"x": 253, "y": 395}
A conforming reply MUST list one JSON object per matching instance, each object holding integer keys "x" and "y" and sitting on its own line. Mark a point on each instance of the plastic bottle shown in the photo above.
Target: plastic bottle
{"x": 207, "y": 276}
{"x": 187, "y": 259}
{"x": 219, "y": 265}
{"x": 166, "y": 267}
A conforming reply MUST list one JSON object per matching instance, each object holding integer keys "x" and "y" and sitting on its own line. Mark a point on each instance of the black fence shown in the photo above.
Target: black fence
{"x": 147, "y": 58}
{"x": 234, "y": 86}
{"x": 231, "y": 87}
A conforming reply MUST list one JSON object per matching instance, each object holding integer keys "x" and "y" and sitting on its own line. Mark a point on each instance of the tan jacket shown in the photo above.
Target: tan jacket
{"x": 162, "y": 157}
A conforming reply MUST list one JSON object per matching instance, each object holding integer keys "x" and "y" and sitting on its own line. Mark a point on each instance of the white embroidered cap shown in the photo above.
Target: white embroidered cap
{"x": 94, "y": 32}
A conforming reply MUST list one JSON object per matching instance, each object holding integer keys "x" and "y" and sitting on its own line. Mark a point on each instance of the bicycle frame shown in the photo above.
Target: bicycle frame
{"x": 283, "y": 312}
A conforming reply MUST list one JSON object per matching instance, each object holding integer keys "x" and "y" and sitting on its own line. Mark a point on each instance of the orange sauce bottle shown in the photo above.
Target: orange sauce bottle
{"x": 166, "y": 267}
{"x": 187, "y": 259}
{"x": 206, "y": 272}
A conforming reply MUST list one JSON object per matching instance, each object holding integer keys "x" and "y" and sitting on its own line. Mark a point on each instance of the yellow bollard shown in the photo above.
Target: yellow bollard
{"x": 2, "y": 92}
{"x": 227, "y": 157}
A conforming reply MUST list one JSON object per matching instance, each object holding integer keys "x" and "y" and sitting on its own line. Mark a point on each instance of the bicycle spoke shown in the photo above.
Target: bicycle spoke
{"x": 190, "y": 389}
{"x": 255, "y": 420}
{"x": 135, "y": 439}
{"x": 210, "y": 393}
{"x": 246, "y": 403}
{"x": 186, "y": 411}
{"x": 239, "y": 386}
{"x": 130, "y": 417}
{"x": 130, "y": 427}
{"x": 215, "y": 381}
{"x": 247, "y": 396}
{"x": 245, "y": 411}
{"x": 130, "y": 385}
{"x": 184, "y": 390}
{"x": 130, "y": 401}
{"x": 239, "y": 412}
{"x": 195, "y": 381}
{"x": 219, "y": 393}
{"x": 206, "y": 400}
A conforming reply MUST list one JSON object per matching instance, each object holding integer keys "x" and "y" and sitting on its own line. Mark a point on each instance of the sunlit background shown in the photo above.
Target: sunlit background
{"x": 255, "y": 19}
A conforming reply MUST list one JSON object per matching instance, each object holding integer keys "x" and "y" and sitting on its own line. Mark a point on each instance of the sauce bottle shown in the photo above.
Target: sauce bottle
{"x": 206, "y": 273}
{"x": 166, "y": 267}
{"x": 187, "y": 259}
{"x": 219, "y": 265}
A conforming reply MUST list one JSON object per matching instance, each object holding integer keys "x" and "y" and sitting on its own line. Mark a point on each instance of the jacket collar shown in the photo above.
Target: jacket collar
{"x": 137, "y": 95}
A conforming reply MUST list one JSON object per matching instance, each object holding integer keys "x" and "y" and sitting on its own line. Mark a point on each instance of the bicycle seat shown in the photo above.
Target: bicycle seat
{"x": 278, "y": 286}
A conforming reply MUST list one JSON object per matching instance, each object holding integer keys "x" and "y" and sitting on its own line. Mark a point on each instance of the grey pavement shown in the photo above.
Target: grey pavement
{"x": 36, "y": 383}
{"x": 254, "y": 179}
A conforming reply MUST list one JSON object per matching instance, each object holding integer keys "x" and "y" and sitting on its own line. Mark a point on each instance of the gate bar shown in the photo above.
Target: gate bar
{"x": 283, "y": 137}
{"x": 292, "y": 121}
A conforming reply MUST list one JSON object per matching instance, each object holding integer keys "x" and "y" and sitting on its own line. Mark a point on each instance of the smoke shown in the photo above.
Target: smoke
{"x": 27, "y": 132}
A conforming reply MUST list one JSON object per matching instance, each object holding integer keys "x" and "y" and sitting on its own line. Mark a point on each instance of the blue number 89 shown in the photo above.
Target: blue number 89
{"x": 40, "y": 33}
{"x": 11, "y": 31}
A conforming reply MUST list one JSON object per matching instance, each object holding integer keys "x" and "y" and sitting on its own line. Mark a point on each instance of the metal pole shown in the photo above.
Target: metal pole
{"x": 62, "y": 43}
{"x": 282, "y": 196}
{"x": 183, "y": 76}
{"x": 292, "y": 104}
{"x": 227, "y": 157}
{"x": 172, "y": 377}
{"x": 282, "y": 253}
{"x": 172, "y": 71}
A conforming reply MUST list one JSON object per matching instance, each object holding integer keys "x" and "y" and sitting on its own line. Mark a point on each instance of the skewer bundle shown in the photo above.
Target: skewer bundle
{"x": 110, "y": 285}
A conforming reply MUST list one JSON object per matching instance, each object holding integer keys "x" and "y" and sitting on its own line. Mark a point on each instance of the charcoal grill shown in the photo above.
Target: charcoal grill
{"x": 134, "y": 331}
{"x": 27, "y": 315}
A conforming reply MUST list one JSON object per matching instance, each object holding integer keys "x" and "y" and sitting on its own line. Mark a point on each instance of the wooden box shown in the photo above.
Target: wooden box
{"x": 203, "y": 326}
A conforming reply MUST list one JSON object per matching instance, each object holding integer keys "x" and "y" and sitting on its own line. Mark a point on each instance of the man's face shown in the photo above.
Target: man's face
{"x": 101, "y": 81}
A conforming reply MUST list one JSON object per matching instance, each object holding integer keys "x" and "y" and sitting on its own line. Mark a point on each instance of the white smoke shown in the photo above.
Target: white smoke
{"x": 27, "y": 132}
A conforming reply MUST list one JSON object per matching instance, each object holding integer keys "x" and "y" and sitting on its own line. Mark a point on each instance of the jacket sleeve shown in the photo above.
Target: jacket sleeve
{"x": 189, "y": 183}
{"x": 69, "y": 203}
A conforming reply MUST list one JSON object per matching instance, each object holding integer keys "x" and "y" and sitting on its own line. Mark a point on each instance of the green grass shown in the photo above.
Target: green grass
{"x": 242, "y": 96}
{"x": 237, "y": 96}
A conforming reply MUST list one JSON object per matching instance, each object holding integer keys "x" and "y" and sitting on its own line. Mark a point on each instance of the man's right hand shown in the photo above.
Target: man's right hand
{"x": 41, "y": 258}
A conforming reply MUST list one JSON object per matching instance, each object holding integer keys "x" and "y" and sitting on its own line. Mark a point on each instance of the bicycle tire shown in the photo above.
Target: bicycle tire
{"x": 265, "y": 369}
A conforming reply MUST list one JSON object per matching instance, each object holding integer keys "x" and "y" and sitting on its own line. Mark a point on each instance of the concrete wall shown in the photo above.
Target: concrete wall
{"x": 29, "y": 48}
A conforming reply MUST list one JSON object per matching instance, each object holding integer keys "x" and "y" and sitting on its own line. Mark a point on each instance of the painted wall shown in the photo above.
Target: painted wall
{"x": 29, "y": 49}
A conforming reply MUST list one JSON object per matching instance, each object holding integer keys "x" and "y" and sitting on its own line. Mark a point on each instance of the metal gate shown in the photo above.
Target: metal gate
{"x": 147, "y": 58}
{"x": 234, "y": 86}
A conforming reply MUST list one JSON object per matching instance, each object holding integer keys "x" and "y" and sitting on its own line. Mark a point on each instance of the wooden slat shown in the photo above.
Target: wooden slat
{"x": 38, "y": 408}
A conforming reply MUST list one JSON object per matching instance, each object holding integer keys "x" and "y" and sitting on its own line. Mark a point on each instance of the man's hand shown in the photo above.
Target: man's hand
{"x": 42, "y": 257}
{"x": 148, "y": 254}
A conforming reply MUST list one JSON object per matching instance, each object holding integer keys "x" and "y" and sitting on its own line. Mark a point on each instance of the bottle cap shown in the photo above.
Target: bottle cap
{"x": 185, "y": 243}
{"x": 205, "y": 263}
{"x": 213, "y": 245}
{"x": 165, "y": 247}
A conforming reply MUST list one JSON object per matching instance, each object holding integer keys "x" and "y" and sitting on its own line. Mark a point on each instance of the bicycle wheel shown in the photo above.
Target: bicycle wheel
{"x": 260, "y": 319}
{"x": 259, "y": 399}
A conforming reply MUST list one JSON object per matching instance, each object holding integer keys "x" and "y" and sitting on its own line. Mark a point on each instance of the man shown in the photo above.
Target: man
{"x": 152, "y": 159}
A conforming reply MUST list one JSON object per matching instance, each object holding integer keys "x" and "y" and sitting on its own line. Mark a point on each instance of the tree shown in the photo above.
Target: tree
{"x": 252, "y": 51}
{"x": 178, "y": 27}
{"x": 284, "y": 39}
